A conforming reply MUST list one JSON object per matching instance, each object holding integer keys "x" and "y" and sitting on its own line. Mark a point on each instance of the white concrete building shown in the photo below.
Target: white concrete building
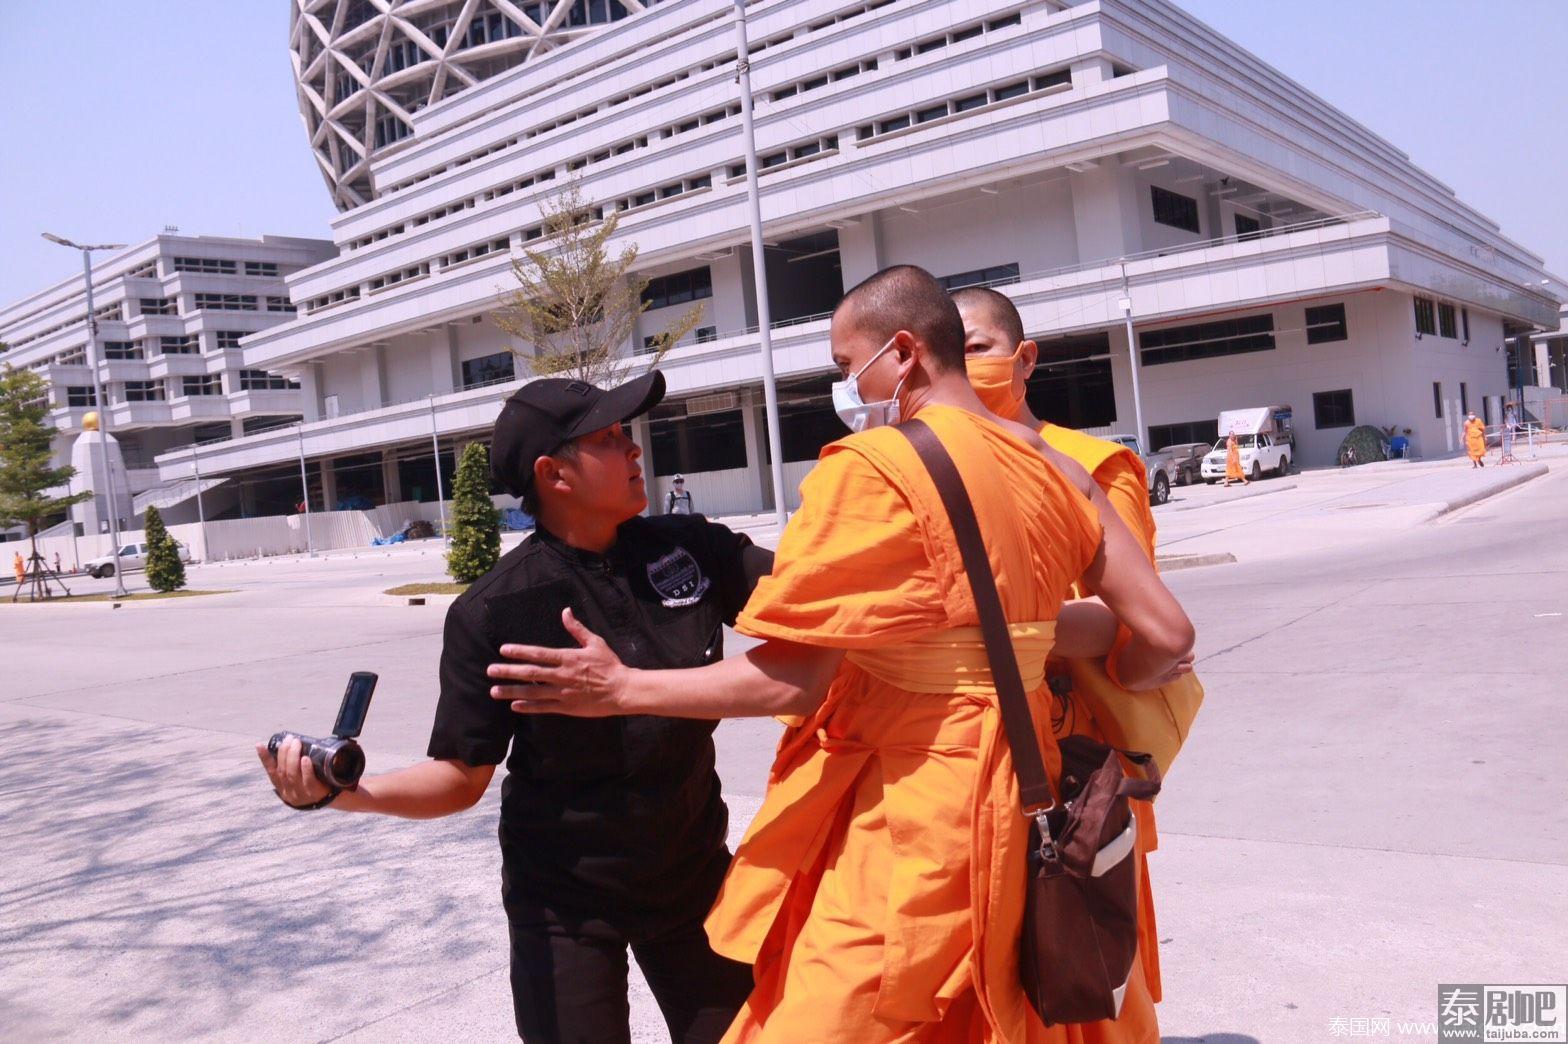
{"x": 1081, "y": 155}
{"x": 170, "y": 315}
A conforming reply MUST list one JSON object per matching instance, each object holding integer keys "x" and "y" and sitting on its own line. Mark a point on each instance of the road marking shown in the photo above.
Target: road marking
{"x": 1540, "y": 615}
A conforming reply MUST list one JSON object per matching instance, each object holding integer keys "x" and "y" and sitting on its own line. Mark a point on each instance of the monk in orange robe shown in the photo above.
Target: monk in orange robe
{"x": 1475, "y": 441}
{"x": 999, "y": 359}
{"x": 1233, "y": 472}
{"x": 880, "y": 889}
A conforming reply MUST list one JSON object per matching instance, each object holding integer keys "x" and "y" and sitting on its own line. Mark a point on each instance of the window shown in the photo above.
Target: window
{"x": 227, "y": 302}
{"x": 706, "y": 442}
{"x": 1464, "y": 324}
{"x": 1012, "y": 90}
{"x": 1446, "y": 327}
{"x": 1426, "y": 316}
{"x": 279, "y": 304}
{"x": 1464, "y": 398}
{"x": 143, "y": 391}
{"x": 205, "y": 265}
{"x": 1204, "y": 431}
{"x": 230, "y": 338}
{"x": 650, "y": 343}
{"x": 1334, "y": 409}
{"x": 1437, "y": 399}
{"x": 122, "y": 350}
{"x": 1016, "y": 18}
{"x": 79, "y": 396}
{"x": 994, "y": 274}
{"x": 1248, "y": 227}
{"x": 261, "y": 380}
{"x": 889, "y": 126}
{"x": 208, "y": 384}
{"x": 73, "y": 357}
{"x": 679, "y": 288}
{"x": 488, "y": 369}
{"x": 1254, "y": 333}
{"x": 187, "y": 345}
{"x": 974, "y": 101}
{"x": 1326, "y": 323}
{"x": 933, "y": 112}
{"x": 1174, "y": 209}
{"x": 707, "y": 334}
{"x": 261, "y": 268}
{"x": 158, "y": 306}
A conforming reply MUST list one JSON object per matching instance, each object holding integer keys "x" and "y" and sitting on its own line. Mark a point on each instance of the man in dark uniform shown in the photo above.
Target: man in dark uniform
{"x": 612, "y": 831}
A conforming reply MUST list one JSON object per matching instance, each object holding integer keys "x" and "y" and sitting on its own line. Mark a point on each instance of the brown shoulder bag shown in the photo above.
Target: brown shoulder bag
{"x": 1080, "y": 931}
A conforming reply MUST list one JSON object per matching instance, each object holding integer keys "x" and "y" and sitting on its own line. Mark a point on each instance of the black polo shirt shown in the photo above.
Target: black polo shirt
{"x": 613, "y": 819}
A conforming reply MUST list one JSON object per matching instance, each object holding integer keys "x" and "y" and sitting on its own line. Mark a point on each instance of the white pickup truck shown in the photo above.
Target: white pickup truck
{"x": 1263, "y": 435}
{"x": 1158, "y": 465}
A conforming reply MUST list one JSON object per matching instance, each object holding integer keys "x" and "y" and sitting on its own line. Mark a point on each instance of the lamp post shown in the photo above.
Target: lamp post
{"x": 1132, "y": 359}
{"x": 98, "y": 396}
{"x": 435, "y": 445}
{"x": 759, "y": 265}
{"x": 201, "y": 513}
{"x": 304, "y": 486}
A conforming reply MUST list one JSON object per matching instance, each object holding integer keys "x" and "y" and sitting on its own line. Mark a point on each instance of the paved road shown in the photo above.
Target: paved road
{"x": 1373, "y": 802}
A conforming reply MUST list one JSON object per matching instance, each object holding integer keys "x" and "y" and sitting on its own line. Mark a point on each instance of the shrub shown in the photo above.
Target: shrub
{"x": 165, "y": 571}
{"x": 476, "y": 524}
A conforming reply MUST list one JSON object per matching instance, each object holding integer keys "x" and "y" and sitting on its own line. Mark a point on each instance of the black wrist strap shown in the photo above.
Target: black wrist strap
{"x": 323, "y": 803}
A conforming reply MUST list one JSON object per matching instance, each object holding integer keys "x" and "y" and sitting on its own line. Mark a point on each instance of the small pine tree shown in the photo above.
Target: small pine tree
{"x": 476, "y": 524}
{"x": 165, "y": 571}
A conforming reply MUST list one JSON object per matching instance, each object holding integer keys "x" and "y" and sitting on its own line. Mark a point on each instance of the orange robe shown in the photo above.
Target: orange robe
{"x": 879, "y": 891}
{"x": 1233, "y": 470}
{"x": 1120, "y": 473}
{"x": 1475, "y": 439}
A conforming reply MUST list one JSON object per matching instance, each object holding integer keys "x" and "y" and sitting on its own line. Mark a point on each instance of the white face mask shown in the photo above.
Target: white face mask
{"x": 858, "y": 414}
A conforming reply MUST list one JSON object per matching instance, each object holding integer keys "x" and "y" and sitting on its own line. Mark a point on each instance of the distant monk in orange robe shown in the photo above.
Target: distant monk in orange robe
{"x": 1475, "y": 441}
{"x": 1000, "y": 359}
{"x": 880, "y": 889}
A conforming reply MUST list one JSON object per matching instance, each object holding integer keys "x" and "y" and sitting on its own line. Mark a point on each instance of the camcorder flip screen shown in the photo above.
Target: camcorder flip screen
{"x": 356, "y": 704}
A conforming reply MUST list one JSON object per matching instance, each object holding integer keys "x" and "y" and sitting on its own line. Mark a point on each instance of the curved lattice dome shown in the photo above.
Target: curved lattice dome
{"x": 363, "y": 67}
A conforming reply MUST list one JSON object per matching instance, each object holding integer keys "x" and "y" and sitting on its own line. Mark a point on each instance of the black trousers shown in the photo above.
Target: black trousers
{"x": 569, "y": 982}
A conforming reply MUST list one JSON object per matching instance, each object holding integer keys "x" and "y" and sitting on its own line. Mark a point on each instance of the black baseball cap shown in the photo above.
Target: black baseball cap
{"x": 544, "y": 415}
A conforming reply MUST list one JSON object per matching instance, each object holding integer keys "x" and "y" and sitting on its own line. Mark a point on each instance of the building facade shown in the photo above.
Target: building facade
{"x": 169, "y": 313}
{"x": 1088, "y": 158}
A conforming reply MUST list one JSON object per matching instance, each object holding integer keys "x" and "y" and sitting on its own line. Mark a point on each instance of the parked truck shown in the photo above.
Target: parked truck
{"x": 1264, "y": 436}
{"x": 1160, "y": 466}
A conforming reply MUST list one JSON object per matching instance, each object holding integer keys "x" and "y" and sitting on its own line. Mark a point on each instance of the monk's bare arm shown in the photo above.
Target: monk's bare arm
{"x": 774, "y": 678}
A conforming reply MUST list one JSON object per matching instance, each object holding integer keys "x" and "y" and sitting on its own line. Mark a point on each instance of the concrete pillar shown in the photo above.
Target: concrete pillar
{"x": 1091, "y": 71}
{"x": 329, "y": 485}
{"x": 1105, "y": 211}
{"x": 310, "y": 391}
{"x": 1543, "y": 364}
{"x": 754, "y": 425}
{"x": 445, "y": 369}
{"x": 731, "y": 309}
{"x": 860, "y": 249}
{"x": 1121, "y": 381}
{"x": 391, "y": 482}
{"x": 373, "y": 376}
{"x": 236, "y": 427}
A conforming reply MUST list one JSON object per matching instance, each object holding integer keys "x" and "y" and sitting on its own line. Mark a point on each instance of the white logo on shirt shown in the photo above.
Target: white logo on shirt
{"x": 678, "y": 579}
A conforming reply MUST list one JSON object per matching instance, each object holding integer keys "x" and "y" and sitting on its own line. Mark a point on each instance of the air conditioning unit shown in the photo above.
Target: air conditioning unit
{"x": 718, "y": 402}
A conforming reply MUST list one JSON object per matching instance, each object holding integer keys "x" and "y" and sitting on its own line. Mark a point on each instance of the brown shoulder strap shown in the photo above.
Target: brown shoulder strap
{"x": 1034, "y": 786}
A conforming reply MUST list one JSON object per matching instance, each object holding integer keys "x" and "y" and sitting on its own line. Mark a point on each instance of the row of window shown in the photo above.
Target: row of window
{"x": 202, "y": 384}
{"x": 702, "y": 335}
{"x": 825, "y": 146}
{"x": 1176, "y": 210}
{"x": 223, "y": 266}
{"x": 959, "y": 35}
{"x": 1438, "y": 318}
{"x": 694, "y": 284}
{"x": 187, "y": 344}
{"x": 1253, "y": 333}
{"x": 403, "y": 275}
{"x": 1051, "y": 81}
{"x": 994, "y": 276}
{"x": 673, "y": 189}
{"x": 227, "y": 302}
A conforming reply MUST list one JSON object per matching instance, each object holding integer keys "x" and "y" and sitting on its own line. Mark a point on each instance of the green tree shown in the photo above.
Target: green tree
{"x": 577, "y": 306}
{"x": 28, "y": 476}
{"x": 165, "y": 571}
{"x": 476, "y": 524}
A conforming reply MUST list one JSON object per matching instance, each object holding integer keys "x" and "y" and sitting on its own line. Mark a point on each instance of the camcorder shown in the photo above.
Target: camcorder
{"x": 338, "y": 760}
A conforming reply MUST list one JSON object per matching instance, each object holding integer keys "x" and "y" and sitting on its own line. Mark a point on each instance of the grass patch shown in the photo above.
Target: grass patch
{"x": 140, "y": 596}
{"x": 426, "y": 589}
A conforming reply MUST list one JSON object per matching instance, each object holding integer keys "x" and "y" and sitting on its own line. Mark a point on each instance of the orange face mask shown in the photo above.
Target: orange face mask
{"x": 998, "y": 383}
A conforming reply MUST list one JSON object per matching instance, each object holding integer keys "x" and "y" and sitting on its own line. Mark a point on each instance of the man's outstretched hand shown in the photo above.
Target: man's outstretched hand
{"x": 586, "y": 682}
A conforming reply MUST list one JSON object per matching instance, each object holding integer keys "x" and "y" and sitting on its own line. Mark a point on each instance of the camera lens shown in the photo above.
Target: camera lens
{"x": 347, "y": 764}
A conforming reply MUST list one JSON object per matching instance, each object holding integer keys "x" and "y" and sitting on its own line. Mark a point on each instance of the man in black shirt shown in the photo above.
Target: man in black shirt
{"x": 612, "y": 831}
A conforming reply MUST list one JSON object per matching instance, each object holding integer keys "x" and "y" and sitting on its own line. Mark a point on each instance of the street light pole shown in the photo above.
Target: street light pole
{"x": 98, "y": 399}
{"x": 304, "y": 485}
{"x": 759, "y": 265}
{"x": 435, "y": 443}
{"x": 1132, "y": 360}
{"x": 201, "y": 514}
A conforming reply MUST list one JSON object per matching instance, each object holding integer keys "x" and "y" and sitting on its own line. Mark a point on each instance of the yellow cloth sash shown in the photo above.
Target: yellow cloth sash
{"x": 955, "y": 661}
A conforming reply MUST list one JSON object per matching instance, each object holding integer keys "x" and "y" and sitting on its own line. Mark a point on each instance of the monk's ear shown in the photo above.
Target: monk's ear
{"x": 1029, "y": 355}
{"x": 907, "y": 347}
{"x": 547, "y": 475}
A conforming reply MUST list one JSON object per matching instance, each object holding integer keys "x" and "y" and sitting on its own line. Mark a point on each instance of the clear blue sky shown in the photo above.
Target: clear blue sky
{"x": 122, "y": 116}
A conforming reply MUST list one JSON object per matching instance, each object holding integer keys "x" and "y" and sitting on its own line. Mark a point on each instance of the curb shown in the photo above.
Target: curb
{"x": 1519, "y": 478}
{"x": 1174, "y": 563}
{"x": 1240, "y": 496}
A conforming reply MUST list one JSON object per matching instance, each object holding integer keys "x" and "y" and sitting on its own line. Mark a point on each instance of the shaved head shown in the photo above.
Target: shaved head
{"x": 995, "y": 306}
{"x": 905, "y": 297}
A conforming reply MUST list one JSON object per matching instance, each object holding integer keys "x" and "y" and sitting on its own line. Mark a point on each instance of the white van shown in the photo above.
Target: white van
{"x": 1264, "y": 436}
